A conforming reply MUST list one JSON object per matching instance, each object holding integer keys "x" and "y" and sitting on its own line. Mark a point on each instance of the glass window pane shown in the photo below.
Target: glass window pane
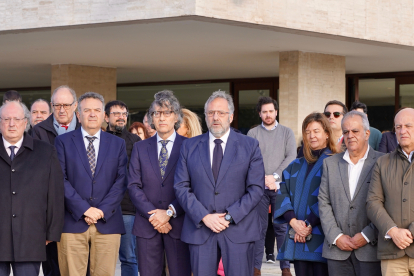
{"x": 379, "y": 96}
{"x": 248, "y": 117}
{"x": 29, "y": 97}
{"x": 407, "y": 95}
{"x": 191, "y": 96}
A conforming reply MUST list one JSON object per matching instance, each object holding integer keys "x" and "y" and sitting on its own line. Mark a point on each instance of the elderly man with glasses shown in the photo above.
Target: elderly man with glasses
{"x": 61, "y": 121}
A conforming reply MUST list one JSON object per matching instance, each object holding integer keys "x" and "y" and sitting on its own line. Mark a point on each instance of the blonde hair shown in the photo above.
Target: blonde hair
{"x": 192, "y": 122}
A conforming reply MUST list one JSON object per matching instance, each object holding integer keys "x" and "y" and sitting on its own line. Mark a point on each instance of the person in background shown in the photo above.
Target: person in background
{"x": 139, "y": 129}
{"x": 12, "y": 95}
{"x": 39, "y": 111}
{"x": 297, "y": 199}
{"x": 389, "y": 139}
{"x": 191, "y": 126}
{"x": 150, "y": 130}
{"x": 375, "y": 135}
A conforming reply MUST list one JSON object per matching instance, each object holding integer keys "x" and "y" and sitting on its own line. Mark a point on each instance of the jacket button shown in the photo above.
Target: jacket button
{"x": 349, "y": 225}
{"x": 91, "y": 198}
{"x": 214, "y": 211}
{"x": 404, "y": 200}
{"x": 216, "y": 193}
{"x": 13, "y": 170}
{"x": 94, "y": 182}
{"x": 160, "y": 202}
{"x": 14, "y": 215}
{"x": 14, "y": 192}
{"x": 352, "y": 207}
{"x": 405, "y": 183}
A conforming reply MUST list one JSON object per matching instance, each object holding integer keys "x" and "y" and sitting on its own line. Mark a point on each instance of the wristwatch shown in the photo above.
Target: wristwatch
{"x": 170, "y": 213}
{"x": 276, "y": 177}
{"x": 228, "y": 218}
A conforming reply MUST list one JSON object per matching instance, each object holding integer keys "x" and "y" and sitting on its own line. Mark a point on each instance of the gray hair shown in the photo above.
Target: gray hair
{"x": 42, "y": 100}
{"x": 166, "y": 98}
{"x": 22, "y": 105}
{"x": 91, "y": 95}
{"x": 365, "y": 122}
{"x": 223, "y": 95}
{"x": 67, "y": 87}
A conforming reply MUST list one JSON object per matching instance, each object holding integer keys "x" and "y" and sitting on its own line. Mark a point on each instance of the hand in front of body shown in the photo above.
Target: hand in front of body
{"x": 216, "y": 222}
{"x": 345, "y": 244}
{"x": 47, "y": 242}
{"x": 401, "y": 237}
{"x": 299, "y": 238}
{"x": 94, "y": 214}
{"x": 159, "y": 218}
{"x": 270, "y": 182}
{"x": 165, "y": 228}
{"x": 358, "y": 240}
{"x": 89, "y": 221}
{"x": 300, "y": 227}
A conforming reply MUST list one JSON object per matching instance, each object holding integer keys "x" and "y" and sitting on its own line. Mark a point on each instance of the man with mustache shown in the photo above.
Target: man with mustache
{"x": 116, "y": 115}
{"x": 278, "y": 146}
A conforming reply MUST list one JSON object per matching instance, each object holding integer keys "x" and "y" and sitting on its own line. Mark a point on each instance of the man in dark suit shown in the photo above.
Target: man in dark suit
{"x": 159, "y": 217}
{"x": 94, "y": 169}
{"x": 61, "y": 121}
{"x": 218, "y": 182}
{"x": 31, "y": 195}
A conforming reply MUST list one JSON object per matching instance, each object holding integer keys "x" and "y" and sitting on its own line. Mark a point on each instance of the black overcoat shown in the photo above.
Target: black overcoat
{"x": 45, "y": 131}
{"x": 31, "y": 201}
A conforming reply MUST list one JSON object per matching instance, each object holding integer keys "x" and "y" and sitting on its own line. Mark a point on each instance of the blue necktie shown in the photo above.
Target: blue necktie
{"x": 163, "y": 160}
{"x": 217, "y": 158}
{"x": 12, "y": 154}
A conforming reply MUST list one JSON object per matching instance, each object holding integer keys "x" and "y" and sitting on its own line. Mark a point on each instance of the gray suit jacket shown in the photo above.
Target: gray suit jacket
{"x": 339, "y": 214}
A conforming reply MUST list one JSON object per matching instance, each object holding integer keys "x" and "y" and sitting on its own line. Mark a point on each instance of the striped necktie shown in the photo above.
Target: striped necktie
{"x": 91, "y": 154}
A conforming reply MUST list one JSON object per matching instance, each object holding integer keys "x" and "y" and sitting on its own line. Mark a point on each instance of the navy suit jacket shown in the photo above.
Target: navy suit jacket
{"x": 148, "y": 191}
{"x": 239, "y": 188}
{"x": 104, "y": 190}
{"x": 388, "y": 142}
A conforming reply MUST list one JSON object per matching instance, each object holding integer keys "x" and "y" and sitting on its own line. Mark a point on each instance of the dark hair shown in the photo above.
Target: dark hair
{"x": 12, "y": 95}
{"x": 266, "y": 100}
{"x": 344, "y": 109}
{"x": 358, "y": 104}
{"x": 109, "y": 105}
{"x": 41, "y": 100}
{"x": 136, "y": 126}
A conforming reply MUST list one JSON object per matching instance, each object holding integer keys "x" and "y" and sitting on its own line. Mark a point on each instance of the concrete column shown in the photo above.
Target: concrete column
{"x": 307, "y": 81}
{"x": 83, "y": 79}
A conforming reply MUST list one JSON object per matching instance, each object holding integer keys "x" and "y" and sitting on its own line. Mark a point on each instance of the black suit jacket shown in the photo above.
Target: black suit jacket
{"x": 388, "y": 142}
{"x": 45, "y": 131}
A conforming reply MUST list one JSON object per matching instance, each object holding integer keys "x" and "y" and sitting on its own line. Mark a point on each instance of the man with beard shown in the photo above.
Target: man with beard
{"x": 219, "y": 180}
{"x": 116, "y": 115}
{"x": 278, "y": 146}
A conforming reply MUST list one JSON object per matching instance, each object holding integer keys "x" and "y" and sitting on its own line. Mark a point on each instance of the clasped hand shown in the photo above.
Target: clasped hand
{"x": 216, "y": 222}
{"x": 401, "y": 237}
{"x": 270, "y": 182}
{"x": 160, "y": 221}
{"x": 301, "y": 229}
{"x": 346, "y": 243}
{"x": 92, "y": 215}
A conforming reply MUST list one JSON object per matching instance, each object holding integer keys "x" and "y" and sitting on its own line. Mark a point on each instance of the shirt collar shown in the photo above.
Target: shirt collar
{"x": 275, "y": 126}
{"x": 97, "y": 135}
{"x": 348, "y": 159}
{"x": 224, "y": 138}
{"x": 171, "y": 138}
{"x": 18, "y": 143}
{"x": 409, "y": 156}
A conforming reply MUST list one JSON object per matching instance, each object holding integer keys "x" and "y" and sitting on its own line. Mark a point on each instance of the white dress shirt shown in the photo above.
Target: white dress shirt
{"x": 95, "y": 143}
{"x": 211, "y": 139}
{"x": 18, "y": 145}
{"x": 169, "y": 145}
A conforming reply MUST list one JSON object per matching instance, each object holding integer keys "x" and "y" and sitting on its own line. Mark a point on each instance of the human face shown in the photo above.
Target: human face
{"x": 63, "y": 116}
{"x": 316, "y": 136}
{"x": 355, "y": 137}
{"x": 147, "y": 126}
{"x": 268, "y": 114}
{"x": 183, "y": 130}
{"x": 91, "y": 115}
{"x": 140, "y": 133}
{"x": 164, "y": 125}
{"x": 404, "y": 129}
{"x": 39, "y": 112}
{"x": 218, "y": 126}
{"x": 117, "y": 123}
{"x": 335, "y": 122}
{"x": 12, "y": 129}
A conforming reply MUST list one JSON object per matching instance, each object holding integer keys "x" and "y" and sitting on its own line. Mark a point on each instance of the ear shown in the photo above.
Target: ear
{"x": 231, "y": 118}
{"x": 106, "y": 119}
{"x": 77, "y": 115}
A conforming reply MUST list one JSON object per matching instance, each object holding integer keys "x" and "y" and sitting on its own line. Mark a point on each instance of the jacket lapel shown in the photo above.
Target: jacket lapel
{"x": 343, "y": 170}
{"x": 153, "y": 156}
{"x": 80, "y": 147}
{"x": 366, "y": 169}
{"x": 27, "y": 143}
{"x": 175, "y": 153}
{"x": 204, "y": 150}
{"x": 3, "y": 152}
{"x": 229, "y": 154}
{"x": 49, "y": 125}
{"x": 103, "y": 150}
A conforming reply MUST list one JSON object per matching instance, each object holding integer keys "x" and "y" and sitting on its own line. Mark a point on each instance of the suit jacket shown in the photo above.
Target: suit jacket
{"x": 239, "y": 187}
{"x": 31, "y": 201}
{"x": 339, "y": 214}
{"x": 148, "y": 191}
{"x": 45, "y": 131}
{"x": 388, "y": 142}
{"x": 104, "y": 190}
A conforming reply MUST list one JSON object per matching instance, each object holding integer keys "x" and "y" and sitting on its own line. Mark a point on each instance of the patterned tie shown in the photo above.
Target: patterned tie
{"x": 91, "y": 154}
{"x": 217, "y": 158}
{"x": 163, "y": 160}
{"x": 12, "y": 154}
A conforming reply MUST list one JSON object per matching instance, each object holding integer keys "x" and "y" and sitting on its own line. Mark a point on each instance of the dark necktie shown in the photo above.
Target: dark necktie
{"x": 91, "y": 154}
{"x": 217, "y": 157}
{"x": 12, "y": 154}
{"x": 163, "y": 160}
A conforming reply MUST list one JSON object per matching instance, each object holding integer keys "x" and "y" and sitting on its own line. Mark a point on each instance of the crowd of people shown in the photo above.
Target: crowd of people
{"x": 163, "y": 196}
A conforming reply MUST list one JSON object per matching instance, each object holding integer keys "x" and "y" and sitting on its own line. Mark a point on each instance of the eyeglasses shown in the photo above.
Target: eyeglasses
{"x": 119, "y": 114}
{"x": 157, "y": 114}
{"x": 219, "y": 113}
{"x": 59, "y": 106}
{"x": 16, "y": 120}
{"x": 336, "y": 114}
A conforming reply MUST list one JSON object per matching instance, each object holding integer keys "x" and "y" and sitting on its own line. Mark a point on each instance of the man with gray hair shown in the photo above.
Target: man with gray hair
{"x": 219, "y": 180}
{"x": 350, "y": 237}
{"x": 94, "y": 171}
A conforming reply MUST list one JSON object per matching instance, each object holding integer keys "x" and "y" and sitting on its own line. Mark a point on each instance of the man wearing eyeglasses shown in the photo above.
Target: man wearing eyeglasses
{"x": 159, "y": 217}
{"x": 116, "y": 116}
{"x": 31, "y": 194}
{"x": 61, "y": 121}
